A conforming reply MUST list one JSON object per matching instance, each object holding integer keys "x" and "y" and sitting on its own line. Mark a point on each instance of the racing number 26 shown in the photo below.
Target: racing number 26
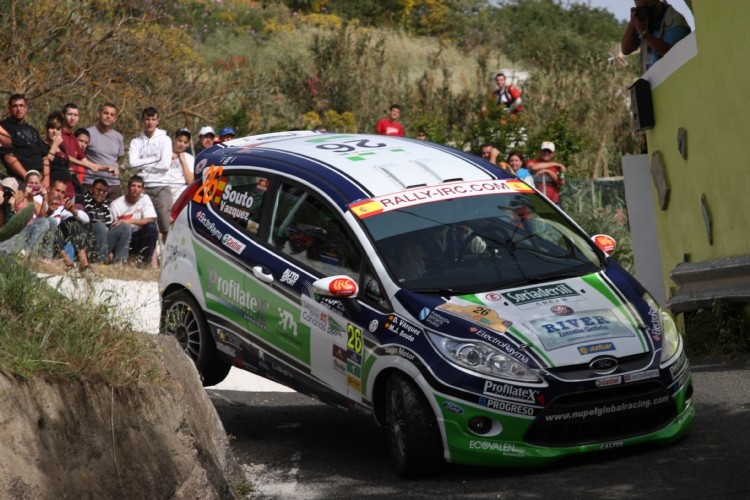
{"x": 206, "y": 191}
{"x": 355, "y": 338}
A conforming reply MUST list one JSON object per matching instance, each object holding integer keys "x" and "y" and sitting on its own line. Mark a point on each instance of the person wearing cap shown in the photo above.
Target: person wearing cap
{"x": 227, "y": 134}
{"x": 549, "y": 175}
{"x": 181, "y": 168}
{"x": 206, "y": 136}
{"x": 31, "y": 238}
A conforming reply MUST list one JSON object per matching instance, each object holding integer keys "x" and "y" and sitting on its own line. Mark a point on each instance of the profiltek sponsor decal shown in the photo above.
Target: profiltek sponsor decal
{"x": 230, "y": 292}
{"x": 526, "y": 298}
{"x": 507, "y": 391}
{"x": 555, "y": 333}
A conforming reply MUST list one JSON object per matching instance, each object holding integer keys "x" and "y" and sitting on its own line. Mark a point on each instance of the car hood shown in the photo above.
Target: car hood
{"x": 560, "y": 323}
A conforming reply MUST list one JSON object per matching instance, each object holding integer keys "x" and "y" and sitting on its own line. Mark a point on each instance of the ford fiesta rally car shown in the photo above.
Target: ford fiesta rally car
{"x": 423, "y": 286}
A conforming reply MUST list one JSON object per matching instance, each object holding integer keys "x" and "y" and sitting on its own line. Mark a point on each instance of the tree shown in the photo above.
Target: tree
{"x": 92, "y": 51}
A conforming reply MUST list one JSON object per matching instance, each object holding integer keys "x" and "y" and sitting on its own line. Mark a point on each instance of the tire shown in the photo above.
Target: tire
{"x": 414, "y": 441}
{"x": 182, "y": 317}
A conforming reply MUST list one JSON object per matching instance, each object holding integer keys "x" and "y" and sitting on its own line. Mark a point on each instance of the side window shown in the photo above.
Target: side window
{"x": 239, "y": 198}
{"x": 309, "y": 231}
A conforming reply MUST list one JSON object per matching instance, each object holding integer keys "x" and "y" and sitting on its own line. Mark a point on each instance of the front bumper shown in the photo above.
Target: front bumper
{"x": 523, "y": 441}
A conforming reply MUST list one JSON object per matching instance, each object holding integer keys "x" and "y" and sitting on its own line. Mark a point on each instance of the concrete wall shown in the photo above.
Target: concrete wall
{"x": 702, "y": 85}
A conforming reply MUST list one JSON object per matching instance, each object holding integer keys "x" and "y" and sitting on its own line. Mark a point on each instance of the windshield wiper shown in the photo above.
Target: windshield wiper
{"x": 443, "y": 291}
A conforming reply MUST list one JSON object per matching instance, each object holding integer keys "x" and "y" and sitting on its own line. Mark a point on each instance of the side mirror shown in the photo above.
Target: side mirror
{"x": 605, "y": 242}
{"x": 336, "y": 287}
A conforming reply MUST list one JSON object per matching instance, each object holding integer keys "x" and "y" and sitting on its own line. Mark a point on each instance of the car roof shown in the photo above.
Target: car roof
{"x": 352, "y": 167}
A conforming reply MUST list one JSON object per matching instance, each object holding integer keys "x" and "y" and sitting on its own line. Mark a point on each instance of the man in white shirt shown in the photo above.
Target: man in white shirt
{"x": 136, "y": 212}
{"x": 151, "y": 156}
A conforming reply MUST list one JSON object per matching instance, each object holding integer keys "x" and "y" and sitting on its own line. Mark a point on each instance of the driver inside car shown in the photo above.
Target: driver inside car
{"x": 433, "y": 250}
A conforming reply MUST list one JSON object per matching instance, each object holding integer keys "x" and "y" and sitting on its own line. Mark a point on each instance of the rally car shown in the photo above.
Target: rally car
{"x": 421, "y": 285}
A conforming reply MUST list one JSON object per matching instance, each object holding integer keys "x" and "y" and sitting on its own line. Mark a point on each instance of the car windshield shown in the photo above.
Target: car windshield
{"x": 480, "y": 243}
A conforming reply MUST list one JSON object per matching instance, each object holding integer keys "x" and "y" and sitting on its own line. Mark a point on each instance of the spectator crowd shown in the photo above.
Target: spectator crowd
{"x": 73, "y": 178}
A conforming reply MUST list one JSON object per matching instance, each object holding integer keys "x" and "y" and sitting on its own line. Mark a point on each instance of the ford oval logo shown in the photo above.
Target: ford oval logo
{"x": 603, "y": 364}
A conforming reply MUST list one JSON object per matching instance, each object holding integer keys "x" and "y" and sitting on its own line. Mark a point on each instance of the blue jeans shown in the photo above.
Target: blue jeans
{"x": 118, "y": 242}
{"x": 35, "y": 238}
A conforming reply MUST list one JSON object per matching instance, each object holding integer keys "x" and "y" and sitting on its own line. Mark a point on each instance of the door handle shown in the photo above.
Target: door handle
{"x": 263, "y": 274}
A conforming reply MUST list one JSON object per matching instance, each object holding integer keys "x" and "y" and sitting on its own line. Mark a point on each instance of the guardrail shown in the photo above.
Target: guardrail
{"x": 701, "y": 283}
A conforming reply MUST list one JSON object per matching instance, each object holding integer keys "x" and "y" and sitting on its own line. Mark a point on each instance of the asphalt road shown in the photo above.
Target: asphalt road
{"x": 294, "y": 447}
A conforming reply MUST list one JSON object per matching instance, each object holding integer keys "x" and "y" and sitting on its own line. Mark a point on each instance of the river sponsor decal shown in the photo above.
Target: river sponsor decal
{"x": 554, "y": 332}
{"x": 537, "y": 296}
{"x": 482, "y": 315}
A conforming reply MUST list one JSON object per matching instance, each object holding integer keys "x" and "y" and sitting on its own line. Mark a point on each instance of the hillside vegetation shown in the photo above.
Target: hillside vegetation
{"x": 272, "y": 65}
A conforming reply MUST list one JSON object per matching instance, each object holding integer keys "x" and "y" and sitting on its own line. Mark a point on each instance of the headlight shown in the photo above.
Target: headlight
{"x": 670, "y": 337}
{"x": 482, "y": 358}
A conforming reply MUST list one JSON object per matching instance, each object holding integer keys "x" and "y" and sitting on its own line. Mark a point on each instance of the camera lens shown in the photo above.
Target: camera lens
{"x": 643, "y": 12}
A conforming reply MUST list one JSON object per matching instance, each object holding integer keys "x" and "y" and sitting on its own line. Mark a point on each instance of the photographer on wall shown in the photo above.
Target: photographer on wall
{"x": 654, "y": 28}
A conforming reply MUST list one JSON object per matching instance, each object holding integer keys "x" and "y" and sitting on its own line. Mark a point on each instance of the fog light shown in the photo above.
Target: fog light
{"x": 480, "y": 425}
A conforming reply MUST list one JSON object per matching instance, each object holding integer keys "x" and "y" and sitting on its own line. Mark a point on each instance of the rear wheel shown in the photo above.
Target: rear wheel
{"x": 414, "y": 440}
{"x": 182, "y": 317}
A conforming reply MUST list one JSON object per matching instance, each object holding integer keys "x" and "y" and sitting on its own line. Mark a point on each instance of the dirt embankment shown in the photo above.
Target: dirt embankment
{"x": 63, "y": 439}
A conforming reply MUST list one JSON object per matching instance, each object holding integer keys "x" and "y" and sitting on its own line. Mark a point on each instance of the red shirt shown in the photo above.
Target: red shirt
{"x": 73, "y": 150}
{"x": 387, "y": 127}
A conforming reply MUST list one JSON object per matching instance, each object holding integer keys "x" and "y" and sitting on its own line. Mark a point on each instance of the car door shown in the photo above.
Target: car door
{"x": 312, "y": 237}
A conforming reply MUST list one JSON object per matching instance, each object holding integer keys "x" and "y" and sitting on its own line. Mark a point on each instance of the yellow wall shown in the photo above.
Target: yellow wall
{"x": 710, "y": 97}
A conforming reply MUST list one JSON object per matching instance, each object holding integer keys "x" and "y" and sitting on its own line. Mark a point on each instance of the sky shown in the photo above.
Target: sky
{"x": 621, "y": 8}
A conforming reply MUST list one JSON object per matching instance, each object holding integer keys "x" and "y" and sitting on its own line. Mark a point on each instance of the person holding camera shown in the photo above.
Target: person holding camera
{"x": 654, "y": 28}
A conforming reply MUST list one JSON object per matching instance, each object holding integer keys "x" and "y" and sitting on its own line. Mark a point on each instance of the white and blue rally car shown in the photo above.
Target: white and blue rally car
{"x": 467, "y": 314}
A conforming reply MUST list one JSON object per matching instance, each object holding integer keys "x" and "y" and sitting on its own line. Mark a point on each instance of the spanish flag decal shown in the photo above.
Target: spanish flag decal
{"x": 366, "y": 208}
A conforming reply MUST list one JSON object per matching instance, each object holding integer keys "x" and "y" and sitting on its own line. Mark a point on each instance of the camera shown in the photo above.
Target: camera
{"x": 643, "y": 12}
{"x": 8, "y": 194}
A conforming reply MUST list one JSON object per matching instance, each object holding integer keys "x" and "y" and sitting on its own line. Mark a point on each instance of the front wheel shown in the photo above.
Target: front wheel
{"x": 414, "y": 440}
{"x": 182, "y": 317}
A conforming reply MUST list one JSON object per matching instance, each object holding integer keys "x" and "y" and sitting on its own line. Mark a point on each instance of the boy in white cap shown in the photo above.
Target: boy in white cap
{"x": 206, "y": 136}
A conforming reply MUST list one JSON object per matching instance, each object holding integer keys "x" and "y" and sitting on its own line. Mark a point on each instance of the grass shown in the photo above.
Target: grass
{"x": 43, "y": 333}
